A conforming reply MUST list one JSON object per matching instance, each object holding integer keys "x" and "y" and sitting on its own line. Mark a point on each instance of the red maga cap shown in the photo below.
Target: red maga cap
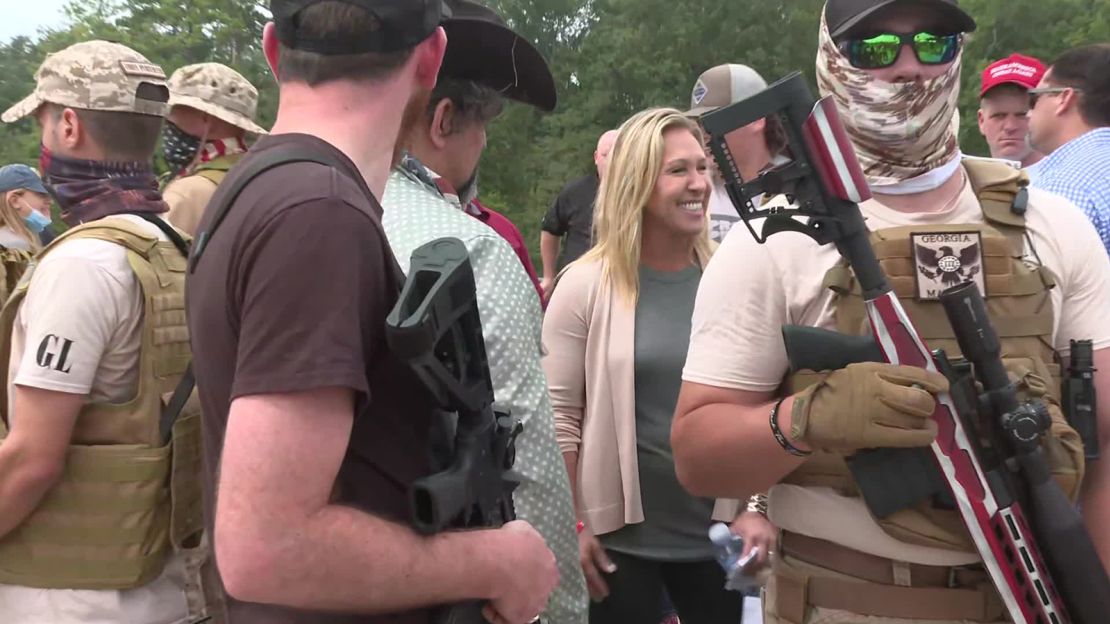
{"x": 1024, "y": 71}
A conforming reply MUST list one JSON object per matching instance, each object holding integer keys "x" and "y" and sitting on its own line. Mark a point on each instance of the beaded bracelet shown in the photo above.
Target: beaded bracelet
{"x": 779, "y": 437}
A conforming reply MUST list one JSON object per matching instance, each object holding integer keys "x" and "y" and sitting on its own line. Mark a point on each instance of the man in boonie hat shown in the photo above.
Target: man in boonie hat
{"x": 211, "y": 110}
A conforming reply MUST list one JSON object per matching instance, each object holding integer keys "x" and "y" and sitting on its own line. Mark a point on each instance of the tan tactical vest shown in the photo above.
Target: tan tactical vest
{"x": 126, "y": 497}
{"x": 13, "y": 263}
{"x": 1017, "y": 295}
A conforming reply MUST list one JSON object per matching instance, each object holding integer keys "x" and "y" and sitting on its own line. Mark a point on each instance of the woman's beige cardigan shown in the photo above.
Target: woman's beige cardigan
{"x": 588, "y": 338}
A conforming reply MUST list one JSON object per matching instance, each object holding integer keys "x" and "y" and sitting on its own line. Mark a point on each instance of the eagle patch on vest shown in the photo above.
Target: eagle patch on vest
{"x": 947, "y": 259}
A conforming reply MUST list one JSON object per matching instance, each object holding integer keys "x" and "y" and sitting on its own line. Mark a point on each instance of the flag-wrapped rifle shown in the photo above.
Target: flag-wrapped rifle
{"x": 824, "y": 185}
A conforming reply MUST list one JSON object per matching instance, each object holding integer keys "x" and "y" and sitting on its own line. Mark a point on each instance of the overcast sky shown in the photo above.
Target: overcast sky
{"x": 25, "y": 17}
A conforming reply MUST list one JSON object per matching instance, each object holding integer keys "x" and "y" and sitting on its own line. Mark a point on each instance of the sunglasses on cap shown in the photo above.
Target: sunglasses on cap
{"x": 883, "y": 49}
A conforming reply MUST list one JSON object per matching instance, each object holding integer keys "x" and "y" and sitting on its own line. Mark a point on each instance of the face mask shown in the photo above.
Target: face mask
{"x": 36, "y": 222}
{"x": 901, "y": 131}
{"x": 86, "y": 190}
{"x": 179, "y": 148}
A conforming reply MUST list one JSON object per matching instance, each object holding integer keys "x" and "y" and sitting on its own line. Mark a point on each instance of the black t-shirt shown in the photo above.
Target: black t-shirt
{"x": 292, "y": 294}
{"x": 572, "y": 215}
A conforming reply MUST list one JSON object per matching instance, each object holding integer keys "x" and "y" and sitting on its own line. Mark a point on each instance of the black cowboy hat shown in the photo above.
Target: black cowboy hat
{"x": 483, "y": 49}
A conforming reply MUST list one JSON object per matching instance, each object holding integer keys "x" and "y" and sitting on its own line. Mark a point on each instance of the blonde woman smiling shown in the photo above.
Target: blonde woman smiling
{"x": 616, "y": 334}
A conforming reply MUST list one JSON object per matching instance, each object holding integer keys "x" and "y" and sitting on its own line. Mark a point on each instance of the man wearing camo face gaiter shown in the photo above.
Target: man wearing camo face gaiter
{"x": 903, "y": 122}
{"x": 937, "y": 219}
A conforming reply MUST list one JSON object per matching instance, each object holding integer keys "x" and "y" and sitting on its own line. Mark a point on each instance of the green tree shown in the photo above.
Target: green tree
{"x": 18, "y": 60}
{"x": 170, "y": 34}
{"x": 610, "y": 58}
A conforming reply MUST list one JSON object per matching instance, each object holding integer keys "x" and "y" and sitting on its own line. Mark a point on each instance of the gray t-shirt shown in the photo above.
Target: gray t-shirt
{"x": 675, "y": 523}
{"x": 10, "y": 240}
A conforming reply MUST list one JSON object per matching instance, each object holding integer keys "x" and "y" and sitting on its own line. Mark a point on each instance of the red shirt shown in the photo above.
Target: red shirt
{"x": 505, "y": 228}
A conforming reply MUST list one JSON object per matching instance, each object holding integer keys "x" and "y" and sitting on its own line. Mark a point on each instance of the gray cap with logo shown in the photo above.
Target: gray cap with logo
{"x": 96, "y": 75}
{"x": 723, "y": 85}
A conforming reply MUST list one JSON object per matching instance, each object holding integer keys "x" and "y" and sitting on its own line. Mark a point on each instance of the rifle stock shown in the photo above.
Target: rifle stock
{"x": 435, "y": 327}
{"x": 815, "y": 349}
{"x": 889, "y": 479}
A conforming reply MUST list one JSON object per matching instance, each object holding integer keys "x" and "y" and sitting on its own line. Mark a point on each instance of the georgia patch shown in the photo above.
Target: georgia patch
{"x": 947, "y": 259}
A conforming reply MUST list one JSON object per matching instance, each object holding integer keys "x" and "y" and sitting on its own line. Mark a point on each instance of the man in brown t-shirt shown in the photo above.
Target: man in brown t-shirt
{"x": 313, "y": 429}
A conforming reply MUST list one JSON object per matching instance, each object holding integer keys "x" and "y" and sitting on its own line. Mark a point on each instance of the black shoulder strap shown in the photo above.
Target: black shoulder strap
{"x": 244, "y": 173}
{"x": 167, "y": 229}
{"x": 233, "y": 185}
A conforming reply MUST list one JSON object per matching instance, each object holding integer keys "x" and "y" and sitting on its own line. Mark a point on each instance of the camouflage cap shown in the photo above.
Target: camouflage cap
{"x": 217, "y": 90}
{"x": 96, "y": 75}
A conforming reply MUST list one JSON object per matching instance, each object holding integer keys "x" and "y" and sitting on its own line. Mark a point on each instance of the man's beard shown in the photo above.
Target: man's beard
{"x": 469, "y": 189}
{"x": 410, "y": 119}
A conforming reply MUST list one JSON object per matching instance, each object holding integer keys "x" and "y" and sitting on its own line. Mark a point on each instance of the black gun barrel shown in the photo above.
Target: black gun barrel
{"x": 1065, "y": 544}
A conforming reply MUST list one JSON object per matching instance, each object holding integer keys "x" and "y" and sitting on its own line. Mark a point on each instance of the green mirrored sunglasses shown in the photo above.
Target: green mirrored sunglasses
{"x": 882, "y": 50}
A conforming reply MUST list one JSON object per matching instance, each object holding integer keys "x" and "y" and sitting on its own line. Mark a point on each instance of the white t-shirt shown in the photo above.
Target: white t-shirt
{"x": 79, "y": 331}
{"x": 749, "y": 291}
{"x": 722, "y": 214}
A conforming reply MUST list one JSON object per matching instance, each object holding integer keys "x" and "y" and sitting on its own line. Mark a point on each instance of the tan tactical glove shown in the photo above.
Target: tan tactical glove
{"x": 868, "y": 405}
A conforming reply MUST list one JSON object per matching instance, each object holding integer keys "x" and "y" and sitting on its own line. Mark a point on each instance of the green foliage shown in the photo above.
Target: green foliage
{"x": 610, "y": 58}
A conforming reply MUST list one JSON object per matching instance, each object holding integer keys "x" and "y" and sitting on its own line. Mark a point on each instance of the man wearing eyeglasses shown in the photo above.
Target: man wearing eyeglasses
{"x": 1069, "y": 119}
{"x": 744, "y": 424}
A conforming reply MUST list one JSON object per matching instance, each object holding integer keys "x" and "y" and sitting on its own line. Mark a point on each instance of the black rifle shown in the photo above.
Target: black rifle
{"x": 435, "y": 328}
{"x": 1079, "y": 399}
{"x": 824, "y": 184}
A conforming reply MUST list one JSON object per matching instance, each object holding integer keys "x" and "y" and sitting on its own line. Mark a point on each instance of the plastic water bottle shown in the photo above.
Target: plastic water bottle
{"x": 729, "y": 546}
{"x": 730, "y": 549}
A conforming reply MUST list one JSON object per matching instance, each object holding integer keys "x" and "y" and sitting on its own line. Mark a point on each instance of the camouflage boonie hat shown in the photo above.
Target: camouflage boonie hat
{"x": 217, "y": 90}
{"x": 95, "y": 75}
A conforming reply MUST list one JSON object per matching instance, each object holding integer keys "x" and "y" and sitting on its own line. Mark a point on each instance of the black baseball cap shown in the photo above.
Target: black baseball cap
{"x": 844, "y": 15}
{"x": 482, "y": 48}
{"x": 401, "y": 25}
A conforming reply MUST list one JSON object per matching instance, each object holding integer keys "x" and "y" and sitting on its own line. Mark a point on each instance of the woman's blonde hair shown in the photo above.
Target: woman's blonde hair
{"x": 11, "y": 219}
{"x": 628, "y": 183}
